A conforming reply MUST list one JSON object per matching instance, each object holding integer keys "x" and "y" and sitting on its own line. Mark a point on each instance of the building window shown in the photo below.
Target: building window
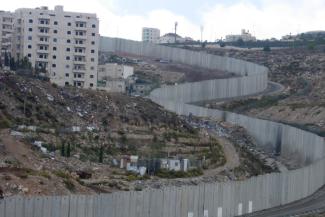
{"x": 92, "y": 68}
{"x": 69, "y": 24}
{"x": 94, "y": 26}
{"x": 30, "y": 21}
{"x": 91, "y": 84}
{"x": 30, "y": 38}
{"x": 54, "y": 48}
{"x": 29, "y": 46}
{"x": 69, "y": 32}
{"x": 92, "y": 51}
{"x": 93, "y": 34}
{"x": 92, "y": 59}
{"x": 66, "y": 84}
{"x": 68, "y": 41}
{"x": 55, "y": 40}
{"x": 67, "y": 66}
{"x": 30, "y": 29}
{"x": 53, "y": 65}
{"x": 66, "y": 74}
{"x": 55, "y": 22}
{"x": 29, "y": 55}
{"x": 92, "y": 42}
{"x": 68, "y": 49}
{"x": 91, "y": 76}
{"x": 54, "y": 57}
{"x": 55, "y": 31}
{"x": 67, "y": 58}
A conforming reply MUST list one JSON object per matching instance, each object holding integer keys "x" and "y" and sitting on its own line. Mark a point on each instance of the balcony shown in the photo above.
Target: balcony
{"x": 43, "y": 42}
{"x": 43, "y": 33}
{"x": 7, "y": 22}
{"x": 7, "y": 36}
{"x": 78, "y": 83}
{"x": 82, "y": 28}
{"x": 42, "y": 51}
{"x": 6, "y": 43}
{"x": 79, "y": 54}
{"x": 7, "y": 30}
{"x": 79, "y": 79}
{"x": 81, "y": 71}
{"x": 79, "y": 62}
{"x": 41, "y": 60}
{"x": 80, "y": 45}
{"x": 44, "y": 25}
{"x": 80, "y": 36}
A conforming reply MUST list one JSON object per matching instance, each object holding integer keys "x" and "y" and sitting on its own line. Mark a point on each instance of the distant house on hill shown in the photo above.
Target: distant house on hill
{"x": 170, "y": 38}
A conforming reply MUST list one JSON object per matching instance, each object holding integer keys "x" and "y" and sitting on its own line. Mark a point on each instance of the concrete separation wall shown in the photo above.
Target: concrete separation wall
{"x": 204, "y": 200}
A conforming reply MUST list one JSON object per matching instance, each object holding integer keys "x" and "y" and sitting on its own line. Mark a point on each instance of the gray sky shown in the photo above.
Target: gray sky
{"x": 264, "y": 18}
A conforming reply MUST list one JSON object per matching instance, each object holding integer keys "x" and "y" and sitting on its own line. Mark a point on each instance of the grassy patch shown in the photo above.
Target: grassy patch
{"x": 163, "y": 173}
{"x": 253, "y": 103}
{"x": 61, "y": 174}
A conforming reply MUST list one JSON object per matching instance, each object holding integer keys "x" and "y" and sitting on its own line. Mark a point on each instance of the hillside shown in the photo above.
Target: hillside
{"x": 65, "y": 140}
{"x": 301, "y": 71}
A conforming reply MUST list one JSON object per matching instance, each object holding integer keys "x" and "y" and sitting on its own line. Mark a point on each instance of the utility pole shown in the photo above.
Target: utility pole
{"x": 176, "y": 24}
{"x": 202, "y": 28}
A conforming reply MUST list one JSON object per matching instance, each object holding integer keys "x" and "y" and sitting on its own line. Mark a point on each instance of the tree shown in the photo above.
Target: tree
{"x": 101, "y": 154}
{"x": 267, "y": 48}
{"x": 311, "y": 45}
{"x": 24, "y": 63}
{"x": 62, "y": 150}
{"x": 240, "y": 42}
{"x": 7, "y": 59}
{"x": 204, "y": 44}
{"x": 68, "y": 153}
{"x": 12, "y": 64}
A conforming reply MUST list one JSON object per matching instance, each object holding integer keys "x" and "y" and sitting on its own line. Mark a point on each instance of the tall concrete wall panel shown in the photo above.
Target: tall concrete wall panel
{"x": 232, "y": 197}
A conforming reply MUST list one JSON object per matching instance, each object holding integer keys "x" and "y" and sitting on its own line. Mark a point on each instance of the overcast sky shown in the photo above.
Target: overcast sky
{"x": 264, "y": 18}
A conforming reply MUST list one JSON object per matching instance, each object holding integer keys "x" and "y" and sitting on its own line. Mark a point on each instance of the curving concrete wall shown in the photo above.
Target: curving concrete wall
{"x": 214, "y": 199}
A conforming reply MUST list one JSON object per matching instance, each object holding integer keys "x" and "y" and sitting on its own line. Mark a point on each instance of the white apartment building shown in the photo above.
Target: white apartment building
{"x": 114, "y": 71}
{"x": 150, "y": 35}
{"x": 6, "y": 32}
{"x": 65, "y": 44}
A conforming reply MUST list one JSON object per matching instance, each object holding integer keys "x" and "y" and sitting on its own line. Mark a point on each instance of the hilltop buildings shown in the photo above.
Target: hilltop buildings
{"x": 150, "y": 35}
{"x": 245, "y": 36}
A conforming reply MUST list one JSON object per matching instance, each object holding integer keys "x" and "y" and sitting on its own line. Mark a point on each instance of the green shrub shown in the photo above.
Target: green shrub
{"x": 267, "y": 48}
{"x": 4, "y": 123}
{"x": 62, "y": 174}
{"x": 69, "y": 185}
{"x": 45, "y": 174}
{"x": 163, "y": 173}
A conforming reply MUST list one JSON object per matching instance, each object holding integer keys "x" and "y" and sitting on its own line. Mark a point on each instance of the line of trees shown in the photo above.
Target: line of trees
{"x": 13, "y": 64}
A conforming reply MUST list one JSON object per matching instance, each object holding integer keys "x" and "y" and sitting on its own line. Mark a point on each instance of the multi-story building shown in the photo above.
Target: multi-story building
{"x": 150, "y": 35}
{"x": 113, "y": 77}
{"x": 63, "y": 44}
{"x": 113, "y": 71}
{"x": 6, "y": 31}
